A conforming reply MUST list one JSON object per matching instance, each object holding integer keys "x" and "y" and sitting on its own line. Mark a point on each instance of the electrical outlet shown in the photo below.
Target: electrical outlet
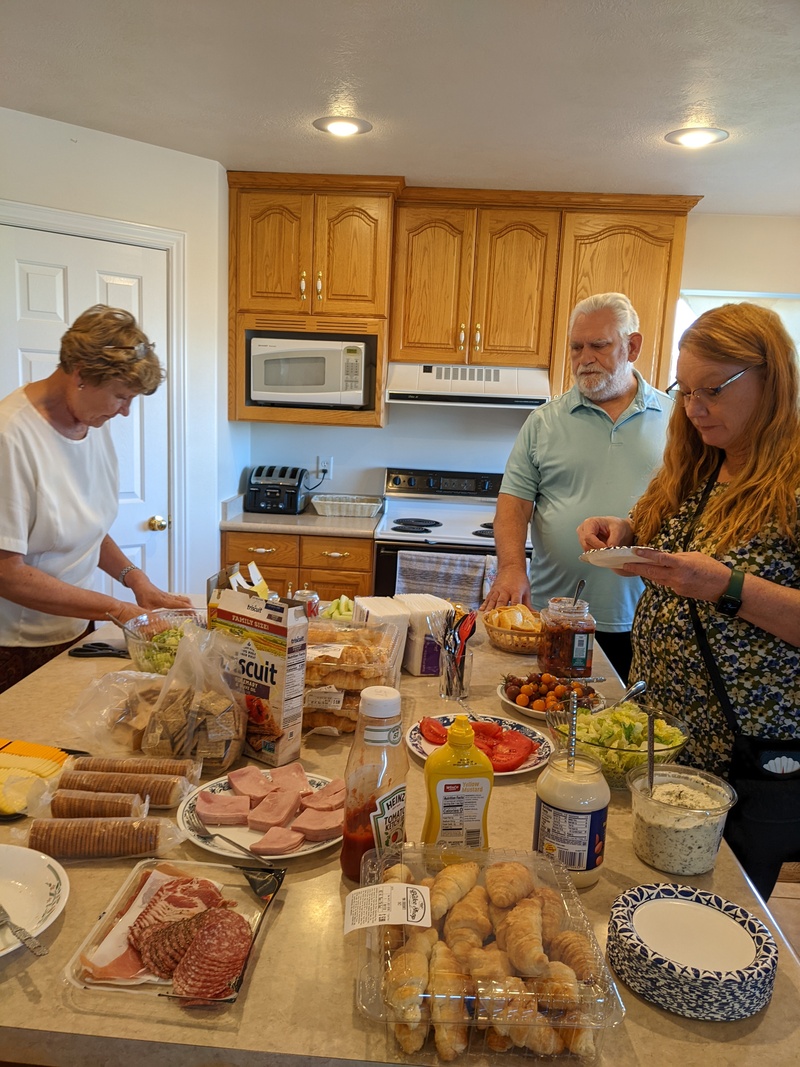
{"x": 325, "y": 466}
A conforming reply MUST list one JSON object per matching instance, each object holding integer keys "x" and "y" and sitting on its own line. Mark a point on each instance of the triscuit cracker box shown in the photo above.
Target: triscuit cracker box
{"x": 269, "y": 670}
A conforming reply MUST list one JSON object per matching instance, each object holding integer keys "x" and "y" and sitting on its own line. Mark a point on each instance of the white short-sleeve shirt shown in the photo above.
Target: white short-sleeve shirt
{"x": 58, "y": 499}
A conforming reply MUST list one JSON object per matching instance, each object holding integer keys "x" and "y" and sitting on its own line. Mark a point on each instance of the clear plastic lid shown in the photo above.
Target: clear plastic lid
{"x": 380, "y": 702}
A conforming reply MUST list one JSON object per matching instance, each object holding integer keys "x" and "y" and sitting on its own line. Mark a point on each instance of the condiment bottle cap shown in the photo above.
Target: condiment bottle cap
{"x": 380, "y": 702}
{"x": 461, "y": 733}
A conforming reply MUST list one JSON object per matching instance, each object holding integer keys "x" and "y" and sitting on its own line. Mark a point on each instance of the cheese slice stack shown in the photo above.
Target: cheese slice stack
{"x": 21, "y": 764}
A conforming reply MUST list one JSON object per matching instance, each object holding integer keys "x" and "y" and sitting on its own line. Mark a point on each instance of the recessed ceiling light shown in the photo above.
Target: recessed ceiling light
{"x": 342, "y": 125}
{"x": 696, "y": 136}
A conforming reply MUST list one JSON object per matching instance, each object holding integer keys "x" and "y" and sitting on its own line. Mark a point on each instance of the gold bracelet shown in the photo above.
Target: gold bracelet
{"x": 123, "y": 572}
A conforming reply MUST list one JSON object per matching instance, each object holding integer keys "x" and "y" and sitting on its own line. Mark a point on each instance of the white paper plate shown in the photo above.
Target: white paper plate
{"x": 692, "y": 952}
{"x": 612, "y": 557}
{"x": 187, "y": 821}
{"x": 422, "y": 748}
{"x": 33, "y": 889}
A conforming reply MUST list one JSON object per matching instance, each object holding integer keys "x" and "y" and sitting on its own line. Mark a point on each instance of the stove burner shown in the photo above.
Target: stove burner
{"x": 487, "y": 525}
{"x": 485, "y": 530}
{"x": 416, "y": 525}
{"x": 414, "y": 529}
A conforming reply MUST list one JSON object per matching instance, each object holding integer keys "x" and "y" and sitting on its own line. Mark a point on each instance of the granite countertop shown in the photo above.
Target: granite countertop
{"x": 235, "y": 520}
{"x": 297, "y": 1004}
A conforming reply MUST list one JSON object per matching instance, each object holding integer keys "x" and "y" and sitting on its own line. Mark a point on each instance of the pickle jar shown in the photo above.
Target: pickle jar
{"x": 567, "y": 641}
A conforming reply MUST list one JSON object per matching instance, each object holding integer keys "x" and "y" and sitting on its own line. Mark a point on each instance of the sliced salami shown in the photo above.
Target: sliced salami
{"x": 180, "y": 898}
{"x": 215, "y": 957}
{"x": 163, "y": 947}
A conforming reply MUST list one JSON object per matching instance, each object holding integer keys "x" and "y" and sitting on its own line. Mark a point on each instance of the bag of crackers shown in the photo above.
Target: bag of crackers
{"x": 197, "y": 715}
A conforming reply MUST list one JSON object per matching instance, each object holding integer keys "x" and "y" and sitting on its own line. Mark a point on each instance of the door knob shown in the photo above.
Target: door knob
{"x": 157, "y": 523}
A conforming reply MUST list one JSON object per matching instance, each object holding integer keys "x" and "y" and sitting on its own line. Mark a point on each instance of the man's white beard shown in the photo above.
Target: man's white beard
{"x": 605, "y": 385}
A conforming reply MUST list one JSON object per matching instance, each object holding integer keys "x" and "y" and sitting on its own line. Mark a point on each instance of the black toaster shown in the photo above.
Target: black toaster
{"x": 276, "y": 490}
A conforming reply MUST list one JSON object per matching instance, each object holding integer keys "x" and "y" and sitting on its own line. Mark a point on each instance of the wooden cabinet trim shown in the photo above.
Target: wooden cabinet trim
{"x": 346, "y": 183}
{"x": 417, "y": 194}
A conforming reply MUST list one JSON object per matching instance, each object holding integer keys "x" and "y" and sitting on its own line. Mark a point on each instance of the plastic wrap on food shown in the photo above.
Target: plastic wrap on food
{"x": 84, "y": 839}
{"x": 111, "y": 715}
{"x": 186, "y": 768}
{"x": 164, "y": 790}
{"x": 81, "y": 804}
{"x": 350, "y": 657}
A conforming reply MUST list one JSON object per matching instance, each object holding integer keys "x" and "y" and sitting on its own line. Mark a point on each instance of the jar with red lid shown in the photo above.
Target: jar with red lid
{"x": 567, "y": 638}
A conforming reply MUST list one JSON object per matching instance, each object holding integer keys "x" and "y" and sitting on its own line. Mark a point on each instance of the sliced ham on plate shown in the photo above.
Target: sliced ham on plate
{"x": 250, "y": 782}
{"x": 276, "y": 809}
{"x": 330, "y": 797}
{"x": 222, "y": 809}
{"x": 277, "y": 841}
{"x": 319, "y": 825}
{"x": 291, "y": 776}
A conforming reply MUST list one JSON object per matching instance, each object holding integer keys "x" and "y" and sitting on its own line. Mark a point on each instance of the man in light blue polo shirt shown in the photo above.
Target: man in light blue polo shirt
{"x": 591, "y": 451}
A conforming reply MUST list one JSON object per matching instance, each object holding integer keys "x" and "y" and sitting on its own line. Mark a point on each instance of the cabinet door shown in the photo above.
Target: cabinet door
{"x": 265, "y": 550}
{"x": 331, "y": 584}
{"x": 336, "y": 553}
{"x": 515, "y": 287}
{"x": 352, "y": 236}
{"x": 639, "y": 254}
{"x": 275, "y": 247}
{"x": 432, "y": 284}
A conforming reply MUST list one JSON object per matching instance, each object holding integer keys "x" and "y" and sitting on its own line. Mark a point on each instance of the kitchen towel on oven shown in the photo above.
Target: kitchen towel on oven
{"x": 454, "y": 576}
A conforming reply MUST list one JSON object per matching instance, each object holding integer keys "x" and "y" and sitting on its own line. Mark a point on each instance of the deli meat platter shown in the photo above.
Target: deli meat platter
{"x": 178, "y": 929}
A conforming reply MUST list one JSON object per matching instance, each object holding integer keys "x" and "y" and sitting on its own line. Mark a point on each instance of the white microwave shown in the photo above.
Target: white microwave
{"x": 310, "y": 371}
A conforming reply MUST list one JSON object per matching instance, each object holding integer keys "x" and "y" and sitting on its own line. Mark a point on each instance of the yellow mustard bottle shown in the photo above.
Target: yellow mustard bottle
{"x": 458, "y": 783}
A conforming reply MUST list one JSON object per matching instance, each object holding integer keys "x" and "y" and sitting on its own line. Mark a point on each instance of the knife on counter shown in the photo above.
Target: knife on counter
{"x": 28, "y": 940}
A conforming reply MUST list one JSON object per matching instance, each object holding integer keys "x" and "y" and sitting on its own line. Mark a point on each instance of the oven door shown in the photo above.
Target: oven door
{"x": 440, "y": 567}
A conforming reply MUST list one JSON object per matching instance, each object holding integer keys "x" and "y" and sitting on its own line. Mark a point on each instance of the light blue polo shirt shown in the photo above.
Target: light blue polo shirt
{"x": 572, "y": 461}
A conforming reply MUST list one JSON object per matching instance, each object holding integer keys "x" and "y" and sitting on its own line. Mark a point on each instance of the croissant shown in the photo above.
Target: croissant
{"x": 523, "y": 937}
{"x": 448, "y": 986}
{"x": 411, "y": 1036}
{"x": 578, "y": 1038}
{"x": 450, "y": 885}
{"x": 508, "y": 882}
{"x": 467, "y": 924}
{"x": 556, "y": 987}
{"x": 490, "y": 968}
{"x": 498, "y": 917}
{"x": 574, "y": 949}
{"x": 512, "y": 1010}
{"x": 406, "y": 978}
{"x": 552, "y": 912}
{"x": 399, "y": 872}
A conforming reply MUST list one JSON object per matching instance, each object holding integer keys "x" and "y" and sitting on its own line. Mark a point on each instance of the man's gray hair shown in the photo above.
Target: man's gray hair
{"x": 624, "y": 311}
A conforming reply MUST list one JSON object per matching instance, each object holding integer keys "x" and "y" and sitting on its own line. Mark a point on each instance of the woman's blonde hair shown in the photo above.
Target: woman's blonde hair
{"x": 105, "y": 344}
{"x": 765, "y": 489}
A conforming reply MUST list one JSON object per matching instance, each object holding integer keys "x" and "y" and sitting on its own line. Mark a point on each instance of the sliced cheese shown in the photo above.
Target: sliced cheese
{"x": 29, "y": 748}
{"x": 41, "y": 768}
{"x": 14, "y": 788}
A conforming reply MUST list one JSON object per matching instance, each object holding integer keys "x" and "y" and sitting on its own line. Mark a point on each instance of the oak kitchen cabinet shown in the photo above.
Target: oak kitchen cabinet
{"x": 474, "y": 284}
{"x": 330, "y": 565}
{"x": 308, "y": 253}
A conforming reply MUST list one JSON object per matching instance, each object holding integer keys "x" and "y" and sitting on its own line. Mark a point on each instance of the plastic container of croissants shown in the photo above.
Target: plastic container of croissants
{"x": 509, "y": 963}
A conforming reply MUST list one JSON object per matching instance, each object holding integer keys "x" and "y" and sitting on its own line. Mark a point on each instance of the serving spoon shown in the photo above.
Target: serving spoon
{"x": 635, "y": 690}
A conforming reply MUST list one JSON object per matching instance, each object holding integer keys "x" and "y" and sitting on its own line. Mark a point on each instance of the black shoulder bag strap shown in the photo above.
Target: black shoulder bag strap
{"x": 700, "y": 633}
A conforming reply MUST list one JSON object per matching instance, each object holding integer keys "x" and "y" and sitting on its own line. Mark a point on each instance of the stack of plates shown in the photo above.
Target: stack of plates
{"x": 692, "y": 952}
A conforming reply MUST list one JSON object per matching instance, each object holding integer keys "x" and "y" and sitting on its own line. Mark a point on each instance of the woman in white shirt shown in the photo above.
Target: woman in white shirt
{"x": 59, "y": 489}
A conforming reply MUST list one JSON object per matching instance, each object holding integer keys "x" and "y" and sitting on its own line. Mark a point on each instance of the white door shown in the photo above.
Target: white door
{"x": 46, "y": 281}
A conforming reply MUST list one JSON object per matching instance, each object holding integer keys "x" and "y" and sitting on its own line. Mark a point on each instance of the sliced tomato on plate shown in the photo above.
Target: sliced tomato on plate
{"x": 511, "y": 751}
{"x": 485, "y": 744}
{"x": 484, "y": 728}
{"x": 432, "y": 730}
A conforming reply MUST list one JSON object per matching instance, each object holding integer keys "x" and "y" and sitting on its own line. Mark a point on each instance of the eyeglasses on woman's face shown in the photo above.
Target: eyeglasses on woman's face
{"x": 709, "y": 394}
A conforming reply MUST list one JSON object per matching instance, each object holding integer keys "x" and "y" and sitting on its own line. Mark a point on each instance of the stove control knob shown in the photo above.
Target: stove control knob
{"x": 412, "y": 482}
{"x": 431, "y": 483}
{"x": 397, "y": 480}
{"x": 486, "y": 485}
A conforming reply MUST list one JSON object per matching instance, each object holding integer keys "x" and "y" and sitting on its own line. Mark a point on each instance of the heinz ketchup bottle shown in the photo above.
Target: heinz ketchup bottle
{"x": 375, "y": 780}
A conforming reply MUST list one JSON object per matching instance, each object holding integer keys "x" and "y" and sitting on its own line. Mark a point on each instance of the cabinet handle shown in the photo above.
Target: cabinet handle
{"x": 319, "y": 285}
{"x": 303, "y": 285}
{"x": 477, "y": 345}
{"x": 262, "y": 551}
{"x": 461, "y": 336}
{"x": 337, "y": 555}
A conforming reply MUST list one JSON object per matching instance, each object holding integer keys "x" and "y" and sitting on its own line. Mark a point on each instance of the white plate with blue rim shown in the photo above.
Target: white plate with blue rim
{"x": 542, "y": 748}
{"x": 33, "y": 889}
{"x": 692, "y": 952}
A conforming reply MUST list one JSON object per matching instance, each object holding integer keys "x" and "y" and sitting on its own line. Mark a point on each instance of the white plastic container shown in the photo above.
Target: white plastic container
{"x": 571, "y": 815}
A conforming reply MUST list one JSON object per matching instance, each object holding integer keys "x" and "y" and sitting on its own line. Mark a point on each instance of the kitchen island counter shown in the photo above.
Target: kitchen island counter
{"x": 297, "y": 1004}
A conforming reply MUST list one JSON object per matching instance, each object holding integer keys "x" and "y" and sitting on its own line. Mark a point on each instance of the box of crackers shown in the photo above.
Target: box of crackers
{"x": 269, "y": 671}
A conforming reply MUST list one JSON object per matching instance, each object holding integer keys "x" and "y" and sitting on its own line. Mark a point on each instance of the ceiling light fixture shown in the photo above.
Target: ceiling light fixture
{"x": 342, "y": 125}
{"x": 696, "y": 136}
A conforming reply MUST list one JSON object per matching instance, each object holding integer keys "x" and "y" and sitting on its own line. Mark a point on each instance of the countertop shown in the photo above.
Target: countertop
{"x": 308, "y": 522}
{"x": 297, "y": 1004}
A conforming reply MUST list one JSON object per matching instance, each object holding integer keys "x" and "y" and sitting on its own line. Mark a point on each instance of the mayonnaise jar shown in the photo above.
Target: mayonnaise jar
{"x": 571, "y": 815}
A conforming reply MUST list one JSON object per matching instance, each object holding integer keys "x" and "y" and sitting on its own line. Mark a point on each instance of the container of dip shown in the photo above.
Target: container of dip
{"x": 679, "y": 827}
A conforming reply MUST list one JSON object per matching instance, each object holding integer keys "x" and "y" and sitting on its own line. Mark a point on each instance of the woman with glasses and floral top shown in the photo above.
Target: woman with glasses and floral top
{"x": 60, "y": 485}
{"x": 717, "y": 631}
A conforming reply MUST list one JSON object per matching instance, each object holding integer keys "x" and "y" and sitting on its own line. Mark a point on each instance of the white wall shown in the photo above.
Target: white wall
{"x": 69, "y": 168}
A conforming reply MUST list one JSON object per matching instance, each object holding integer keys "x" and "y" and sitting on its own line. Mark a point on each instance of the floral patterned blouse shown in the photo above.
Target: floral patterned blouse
{"x": 760, "y": 671}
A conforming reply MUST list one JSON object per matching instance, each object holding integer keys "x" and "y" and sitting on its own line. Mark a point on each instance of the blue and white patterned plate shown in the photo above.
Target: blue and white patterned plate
{"x": 692, "y": 952}
{"x": 422, "y": 748}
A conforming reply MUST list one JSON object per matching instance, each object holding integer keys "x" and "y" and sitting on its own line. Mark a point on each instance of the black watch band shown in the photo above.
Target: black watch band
{"x": 731, "y": 600}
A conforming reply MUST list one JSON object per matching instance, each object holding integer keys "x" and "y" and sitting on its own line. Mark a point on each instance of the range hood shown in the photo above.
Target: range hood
{"x": 457, "y": 385}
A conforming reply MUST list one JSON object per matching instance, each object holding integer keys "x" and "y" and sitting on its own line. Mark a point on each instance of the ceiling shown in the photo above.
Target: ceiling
{"x": 570, "y": 95}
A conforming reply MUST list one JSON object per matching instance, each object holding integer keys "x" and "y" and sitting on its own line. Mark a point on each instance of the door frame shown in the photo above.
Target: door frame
{"x": 173, "y": 242}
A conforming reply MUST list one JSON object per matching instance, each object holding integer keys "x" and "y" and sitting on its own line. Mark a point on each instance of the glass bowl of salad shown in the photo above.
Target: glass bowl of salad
{"x": 152, "y": 638}
{"x": 617, "y": 737}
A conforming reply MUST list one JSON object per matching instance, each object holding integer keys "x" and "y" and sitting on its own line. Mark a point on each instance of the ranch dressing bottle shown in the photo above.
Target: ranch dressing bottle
{"x": 571, "y": 814}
